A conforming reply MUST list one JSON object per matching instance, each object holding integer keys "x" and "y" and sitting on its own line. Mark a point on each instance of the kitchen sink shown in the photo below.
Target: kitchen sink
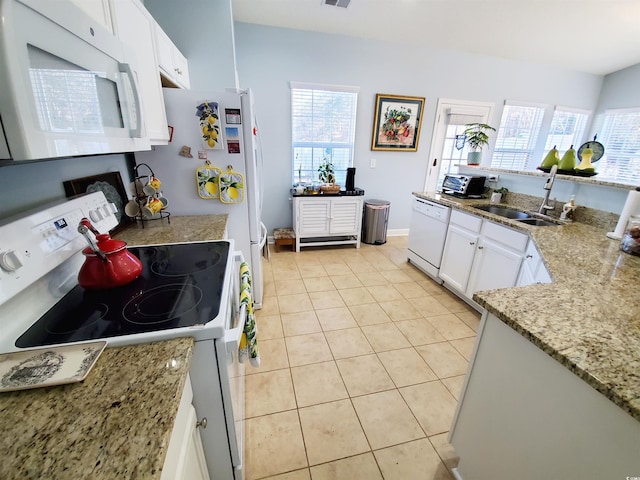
{"x": 538, "y": 222}
{"x": 506, "y": 212}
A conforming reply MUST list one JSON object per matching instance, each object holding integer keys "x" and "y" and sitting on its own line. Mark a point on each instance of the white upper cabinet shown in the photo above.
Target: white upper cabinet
{"x": 135, "y": 26}
{"x": 174, "y": 67}
{"x": 98, "y": 10}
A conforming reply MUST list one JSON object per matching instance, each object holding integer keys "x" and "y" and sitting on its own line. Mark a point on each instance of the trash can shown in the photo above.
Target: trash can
{"x": 374, "y": 221}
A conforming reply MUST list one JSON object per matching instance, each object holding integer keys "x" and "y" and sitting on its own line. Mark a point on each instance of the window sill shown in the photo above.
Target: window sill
{"x": 537, "y": 173}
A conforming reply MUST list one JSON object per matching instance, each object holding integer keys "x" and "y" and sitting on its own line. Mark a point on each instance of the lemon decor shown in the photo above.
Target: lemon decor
{"x": 207, "y": 112}
{"x": 231, "y": 186}
{"x": 208, "y": 181}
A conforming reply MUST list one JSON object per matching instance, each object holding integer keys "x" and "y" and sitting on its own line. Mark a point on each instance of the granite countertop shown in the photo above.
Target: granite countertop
{"x": 176, "y": 229}
{"x": 588, "y": 319}
{"x": 114, "y": 424}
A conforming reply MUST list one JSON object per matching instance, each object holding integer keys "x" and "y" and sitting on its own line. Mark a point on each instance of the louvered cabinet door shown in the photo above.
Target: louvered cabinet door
{"x": 313, "y": 217}
{"x": 346, "y": 216}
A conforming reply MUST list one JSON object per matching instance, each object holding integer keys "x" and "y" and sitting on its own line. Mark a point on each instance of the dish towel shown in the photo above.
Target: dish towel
{"x": 249, "y": 340}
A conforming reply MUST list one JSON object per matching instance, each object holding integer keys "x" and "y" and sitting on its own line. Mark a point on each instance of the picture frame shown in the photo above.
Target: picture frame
{"x": 399, "y": 132}
{"x": 111, "y": 185}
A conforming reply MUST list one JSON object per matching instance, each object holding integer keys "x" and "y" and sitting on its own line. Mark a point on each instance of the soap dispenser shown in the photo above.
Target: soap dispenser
{"x": 568, "y": 209}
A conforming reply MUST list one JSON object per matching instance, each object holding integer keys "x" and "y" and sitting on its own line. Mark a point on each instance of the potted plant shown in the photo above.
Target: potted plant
{"x": 326, "y": 173}
{"x": 328, "y": 178}
{"x": 476, "y": 136}
{"x": 497, "y": 194}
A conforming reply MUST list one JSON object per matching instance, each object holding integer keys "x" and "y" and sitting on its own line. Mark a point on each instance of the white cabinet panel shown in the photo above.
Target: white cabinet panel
{"x": 136, "y": 28}
{"x": 174, "y": 67}
{"x": 327, "y": 221}
{"x": 494, "y": 266}
{"x": 98, "y": 10}
{"x": 457, "y": 259}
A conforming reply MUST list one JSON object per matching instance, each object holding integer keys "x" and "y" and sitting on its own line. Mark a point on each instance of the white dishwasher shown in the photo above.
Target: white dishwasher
{"x": 427, "y": 233}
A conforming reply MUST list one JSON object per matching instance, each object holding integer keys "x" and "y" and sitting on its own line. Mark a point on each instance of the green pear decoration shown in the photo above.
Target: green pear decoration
{"x": 585, "y": 165}
{"x": 551, "y": 159}
{"x": 568, "y": 160}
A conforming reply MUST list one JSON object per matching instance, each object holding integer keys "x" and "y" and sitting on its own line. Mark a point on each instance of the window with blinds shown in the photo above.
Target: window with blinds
{"x": 567, "y": 128}
{"x": 621, "y": 140}
{"x": 323, "y": 120}
{"x": 517, "y": 136}
{"x": 455, "y": 150}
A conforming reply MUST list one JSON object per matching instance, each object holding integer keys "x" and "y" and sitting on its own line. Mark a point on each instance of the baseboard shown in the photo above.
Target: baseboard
{"x": 397, "y": 232}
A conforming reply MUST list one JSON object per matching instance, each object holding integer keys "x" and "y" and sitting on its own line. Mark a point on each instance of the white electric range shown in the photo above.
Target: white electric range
{"x": 186, "y": 289}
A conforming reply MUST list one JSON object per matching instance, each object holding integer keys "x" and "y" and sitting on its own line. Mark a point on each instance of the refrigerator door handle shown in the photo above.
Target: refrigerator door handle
{"x": 263, "y": 234}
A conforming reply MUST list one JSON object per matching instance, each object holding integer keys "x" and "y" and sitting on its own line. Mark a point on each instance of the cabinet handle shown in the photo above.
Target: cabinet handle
{"x": 529, "y": 256}
{"x": 472, "y": 243}
{"x": 480, "y": 247}
{"x": 202, "y": 423}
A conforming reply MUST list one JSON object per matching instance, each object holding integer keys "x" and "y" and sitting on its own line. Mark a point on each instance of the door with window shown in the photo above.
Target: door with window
{"x": 448, "y": 149}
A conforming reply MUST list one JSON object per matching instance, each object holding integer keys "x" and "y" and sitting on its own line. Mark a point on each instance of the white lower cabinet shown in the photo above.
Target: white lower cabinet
{"x": 523, "y": 415}
{"x": 480, "y": 255}
{"x": 185, "y": 456}
{"x": 533, "y": 269}
{"x": 327, "y": 221}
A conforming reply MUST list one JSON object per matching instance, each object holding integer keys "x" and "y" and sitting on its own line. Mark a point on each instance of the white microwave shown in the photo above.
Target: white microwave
{"x": 66, "y": 88}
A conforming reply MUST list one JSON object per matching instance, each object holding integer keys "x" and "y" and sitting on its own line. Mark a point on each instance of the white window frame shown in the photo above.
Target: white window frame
{"x": 319, "y": 145}
{"x": 530, "y": 149}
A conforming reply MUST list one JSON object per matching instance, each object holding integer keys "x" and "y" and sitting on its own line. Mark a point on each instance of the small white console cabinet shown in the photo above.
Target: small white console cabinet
{"x": 327, "y": 220}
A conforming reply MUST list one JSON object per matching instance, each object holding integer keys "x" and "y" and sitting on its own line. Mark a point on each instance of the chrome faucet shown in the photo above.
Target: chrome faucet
{"x": 547, "y": 186}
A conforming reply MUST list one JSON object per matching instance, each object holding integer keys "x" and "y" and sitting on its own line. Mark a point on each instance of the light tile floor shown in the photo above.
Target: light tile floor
{"x": 363, "y": 358}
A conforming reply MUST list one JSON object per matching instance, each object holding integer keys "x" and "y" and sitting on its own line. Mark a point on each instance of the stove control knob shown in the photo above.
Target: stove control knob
{"x": 95, "y": 215}
{"x": 9, "y": 261}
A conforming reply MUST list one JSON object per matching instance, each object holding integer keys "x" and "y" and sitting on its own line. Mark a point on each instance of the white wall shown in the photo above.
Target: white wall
{"x": 26, "y": 185}
{"x": 268, "y": 58}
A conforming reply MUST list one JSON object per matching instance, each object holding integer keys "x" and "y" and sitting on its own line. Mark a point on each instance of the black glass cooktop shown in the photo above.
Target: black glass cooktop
{"x": 180, "y": 286}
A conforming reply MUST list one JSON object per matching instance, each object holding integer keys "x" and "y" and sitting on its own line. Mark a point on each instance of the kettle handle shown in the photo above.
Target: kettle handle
{"x": 84, "y": 230}
{"x": 85, "y": 221}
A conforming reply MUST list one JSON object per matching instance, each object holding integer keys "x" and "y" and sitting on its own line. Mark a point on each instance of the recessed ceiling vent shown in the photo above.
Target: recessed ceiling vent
{"x": 336, "y": 3}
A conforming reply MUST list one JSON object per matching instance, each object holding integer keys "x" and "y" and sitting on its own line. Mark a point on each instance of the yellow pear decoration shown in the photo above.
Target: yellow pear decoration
{"x": 585, "y": 165}
{"x": 551, "y": 159}
{"x": 568, "y": 160}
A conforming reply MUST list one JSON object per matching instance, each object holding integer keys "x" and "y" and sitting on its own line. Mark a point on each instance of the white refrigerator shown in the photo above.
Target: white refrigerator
{"x": 237, "y": 146}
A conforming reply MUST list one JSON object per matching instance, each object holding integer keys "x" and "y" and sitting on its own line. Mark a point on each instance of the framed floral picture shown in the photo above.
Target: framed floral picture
{"x": 397, "y": 122}
{"x": 111, "y": 185}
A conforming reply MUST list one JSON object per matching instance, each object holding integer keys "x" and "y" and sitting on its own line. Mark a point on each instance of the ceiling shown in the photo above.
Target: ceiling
{"x": 593, "y": 36}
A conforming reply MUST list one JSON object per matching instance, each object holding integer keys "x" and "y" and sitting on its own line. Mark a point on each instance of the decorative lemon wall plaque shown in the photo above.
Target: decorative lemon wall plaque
{"x": 231, "y": 187}
{"x": 208, "y": 181}
{"x": 207, "y": 112}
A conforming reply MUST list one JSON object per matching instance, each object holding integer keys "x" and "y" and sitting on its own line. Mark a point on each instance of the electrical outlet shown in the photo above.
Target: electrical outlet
{"x": 372, "y": 164}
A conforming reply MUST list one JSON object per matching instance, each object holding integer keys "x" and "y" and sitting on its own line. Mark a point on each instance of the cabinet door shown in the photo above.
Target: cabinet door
{"x": 313, "y": 217}
{"x": 173, "y": 65}
{"x": 346, "y": 216}
{"x": 98, "y": 10}
{"x": 494, "y": 266}
{"x": 457, "y": 258}
{"x": 194, "y": 465}
{"x": 135, "y": 27}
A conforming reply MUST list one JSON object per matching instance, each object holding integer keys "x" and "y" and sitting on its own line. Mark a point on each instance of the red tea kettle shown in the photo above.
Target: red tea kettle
{"x": 108, "y": 263}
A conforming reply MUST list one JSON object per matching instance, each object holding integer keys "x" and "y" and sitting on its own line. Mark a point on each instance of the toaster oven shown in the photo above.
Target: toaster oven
{"x": 469, "y": 186}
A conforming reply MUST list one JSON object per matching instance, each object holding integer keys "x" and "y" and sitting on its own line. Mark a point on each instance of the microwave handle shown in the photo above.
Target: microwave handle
{"x": 134, "y": 132}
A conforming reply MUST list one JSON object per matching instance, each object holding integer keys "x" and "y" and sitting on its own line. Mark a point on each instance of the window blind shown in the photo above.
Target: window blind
{"x": 621, "y": 140}
{"x": 517, "y": 136}
{"x": 567, "y": 128}
{"x": 323, "y": 129}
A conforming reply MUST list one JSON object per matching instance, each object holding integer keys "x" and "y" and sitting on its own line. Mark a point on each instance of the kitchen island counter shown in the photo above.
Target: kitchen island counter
{"x": 115, "y": 424}
{"x": 588, "y": 319}
{"x": 176, "y": 229}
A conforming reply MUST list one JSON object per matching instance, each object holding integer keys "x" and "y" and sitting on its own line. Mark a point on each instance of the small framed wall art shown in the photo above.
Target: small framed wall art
{"x": 397, "y": 122}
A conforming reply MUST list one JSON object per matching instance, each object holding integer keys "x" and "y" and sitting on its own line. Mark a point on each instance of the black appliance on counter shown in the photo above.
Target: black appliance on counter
{"x": 464, "y": 186}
